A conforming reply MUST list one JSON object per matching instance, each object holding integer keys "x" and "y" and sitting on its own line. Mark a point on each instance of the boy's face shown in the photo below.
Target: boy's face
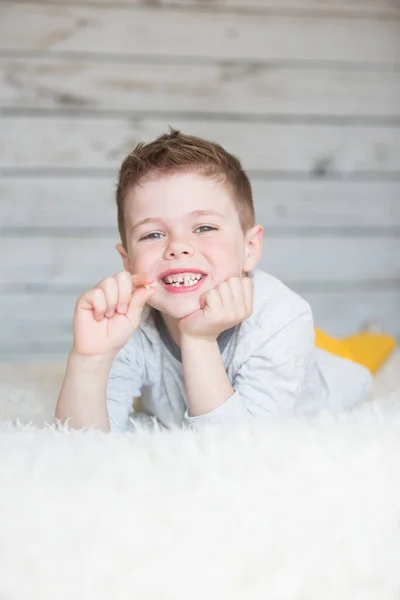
{"x": 185, "y": 227}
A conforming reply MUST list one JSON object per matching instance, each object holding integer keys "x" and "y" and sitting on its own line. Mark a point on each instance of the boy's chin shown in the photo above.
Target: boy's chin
{"x": 177, "y": 309}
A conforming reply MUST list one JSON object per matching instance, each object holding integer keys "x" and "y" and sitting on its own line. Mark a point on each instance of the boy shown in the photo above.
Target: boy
{"x": 190, "y": 325}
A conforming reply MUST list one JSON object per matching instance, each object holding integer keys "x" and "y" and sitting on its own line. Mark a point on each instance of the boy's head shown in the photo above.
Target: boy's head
{"x": 185, "y": 207}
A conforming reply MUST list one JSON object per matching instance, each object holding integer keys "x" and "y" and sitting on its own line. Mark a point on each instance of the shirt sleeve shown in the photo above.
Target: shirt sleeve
{"x": 270, "y": 382}
{"x": 124, "y": 385}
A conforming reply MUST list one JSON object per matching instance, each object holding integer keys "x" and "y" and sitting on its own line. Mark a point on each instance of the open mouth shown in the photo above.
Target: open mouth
{"x": 182, "y": 280}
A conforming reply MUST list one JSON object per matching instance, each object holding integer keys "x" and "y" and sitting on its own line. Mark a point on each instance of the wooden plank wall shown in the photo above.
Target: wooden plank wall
{"x": 306, "y": 92}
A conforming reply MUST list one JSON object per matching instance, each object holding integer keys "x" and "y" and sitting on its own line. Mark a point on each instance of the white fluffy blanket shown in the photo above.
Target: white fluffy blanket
{"x": 303, "y": 509}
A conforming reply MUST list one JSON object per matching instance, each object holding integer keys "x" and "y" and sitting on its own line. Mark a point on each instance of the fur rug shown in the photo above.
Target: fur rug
{"x": 302, "y": 509}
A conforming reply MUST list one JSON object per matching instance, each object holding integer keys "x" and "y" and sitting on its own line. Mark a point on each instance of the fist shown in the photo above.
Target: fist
{"x": 221, "y": 308}
{"x": 106, "y": 316}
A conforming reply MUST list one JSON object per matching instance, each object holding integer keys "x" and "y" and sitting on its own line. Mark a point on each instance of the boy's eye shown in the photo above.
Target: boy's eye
{"x": 205, "y": 228}
{"x": 156, "y": 235}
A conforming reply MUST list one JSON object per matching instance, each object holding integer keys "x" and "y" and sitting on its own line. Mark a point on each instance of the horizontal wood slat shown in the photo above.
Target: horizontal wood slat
{"x": 68, "y": 142}
{"x": 352, "y": 7}
{"x": 115, "y": 30}
{"x": 247, "y": 90}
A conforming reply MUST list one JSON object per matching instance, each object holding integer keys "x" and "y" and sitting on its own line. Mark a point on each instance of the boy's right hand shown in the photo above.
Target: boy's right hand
{"x": 107, "y": 315}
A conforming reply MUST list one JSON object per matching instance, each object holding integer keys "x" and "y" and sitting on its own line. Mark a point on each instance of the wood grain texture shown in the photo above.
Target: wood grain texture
{"x": 342, "y": 314}
{"x": 37, "y": 203}
{"x": 79, "y": 261}
{"x": 43, "y": 322}
{"x": 71, "y": 142}
{"x": 120, "y": 31}
{"x": 350, "y": 7}
{"x": 248, "y": 89}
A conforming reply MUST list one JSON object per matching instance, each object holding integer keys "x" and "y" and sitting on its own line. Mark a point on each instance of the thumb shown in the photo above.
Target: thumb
{"x": 138, "y": 300}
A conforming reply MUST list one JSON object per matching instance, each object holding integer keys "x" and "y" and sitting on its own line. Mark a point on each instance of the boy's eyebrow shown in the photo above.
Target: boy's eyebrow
{"x": 195, "y": 213}
{"x": 143, "y": 221}
{"x": 199, "y": 213}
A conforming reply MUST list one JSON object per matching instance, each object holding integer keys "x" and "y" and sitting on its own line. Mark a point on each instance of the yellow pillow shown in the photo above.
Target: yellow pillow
{"x": 365, "y": 348}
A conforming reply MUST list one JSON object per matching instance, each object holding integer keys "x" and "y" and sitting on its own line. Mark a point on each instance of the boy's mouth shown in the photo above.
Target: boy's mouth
{"x": 182, "y": 281}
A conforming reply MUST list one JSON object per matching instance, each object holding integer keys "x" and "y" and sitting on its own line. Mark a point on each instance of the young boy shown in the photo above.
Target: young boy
{"x": 190, "y": 325}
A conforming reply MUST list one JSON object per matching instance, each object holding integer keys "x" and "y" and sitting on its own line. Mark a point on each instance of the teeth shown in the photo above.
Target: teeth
{"x": 183, "y": 278}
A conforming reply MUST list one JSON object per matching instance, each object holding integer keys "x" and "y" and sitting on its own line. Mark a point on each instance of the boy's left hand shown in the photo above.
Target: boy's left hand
{"x": 221, "y": 308}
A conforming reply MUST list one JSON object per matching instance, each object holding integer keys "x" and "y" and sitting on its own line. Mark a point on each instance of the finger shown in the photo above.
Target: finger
{"x": 237, "y": 292}
{"x": 225, "y": 291}
{"x": 110, "y": 288}
{"x": 212, "y": 300}
{"x": 137, "y": 303}
{"x": 125, "y": 290}
{"x": 247, "y": 285}
{"x": 95, "y": 301}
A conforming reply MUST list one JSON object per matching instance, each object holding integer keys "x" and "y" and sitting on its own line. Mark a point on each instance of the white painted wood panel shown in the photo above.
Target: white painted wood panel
{"x": 343, "y": 314}
{"x": 44, "y": 321}
{"x": 327, "y": 204}
{"x": 68, "y": 142}
{"x": 87, "y": 202}
{"x": 82, "y": 261}
{"x": 351, "y": 7}
{"x": 242, "y": 89}
{"x": 117, "y": 30}
{"x": 320, "y": 68}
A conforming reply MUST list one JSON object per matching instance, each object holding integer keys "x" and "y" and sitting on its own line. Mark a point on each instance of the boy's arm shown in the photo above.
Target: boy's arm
{"x": 267, "y": 380}
{"x": 93, "y": 394}
{"x": 267, "y": 384}
{"x": 206, "y": 382}
{"x": 99, "y": 392}
{"x": 82, "y": 397}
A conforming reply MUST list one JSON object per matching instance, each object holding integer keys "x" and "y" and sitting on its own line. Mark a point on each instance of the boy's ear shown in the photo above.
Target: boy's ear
{"x": 253, "y": 247}
{"x": 125, "y": 258}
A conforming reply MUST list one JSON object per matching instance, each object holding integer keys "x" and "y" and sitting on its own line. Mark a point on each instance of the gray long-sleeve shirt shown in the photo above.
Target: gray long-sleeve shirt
{"x": 270, "y": 359}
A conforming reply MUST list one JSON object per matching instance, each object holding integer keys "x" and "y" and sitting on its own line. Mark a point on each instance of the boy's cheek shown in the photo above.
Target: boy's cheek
{"x": 223, "y": 254}
{"x": 142, "y": 263}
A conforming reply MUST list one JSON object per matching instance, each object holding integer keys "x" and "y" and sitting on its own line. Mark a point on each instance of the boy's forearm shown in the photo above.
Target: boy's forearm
{"x": 82, "y": 398}
{"x": 207, "y": 384}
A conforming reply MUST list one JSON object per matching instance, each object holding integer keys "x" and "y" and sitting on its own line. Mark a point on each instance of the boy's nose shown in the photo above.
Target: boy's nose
{"x": 177, "y": 248}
